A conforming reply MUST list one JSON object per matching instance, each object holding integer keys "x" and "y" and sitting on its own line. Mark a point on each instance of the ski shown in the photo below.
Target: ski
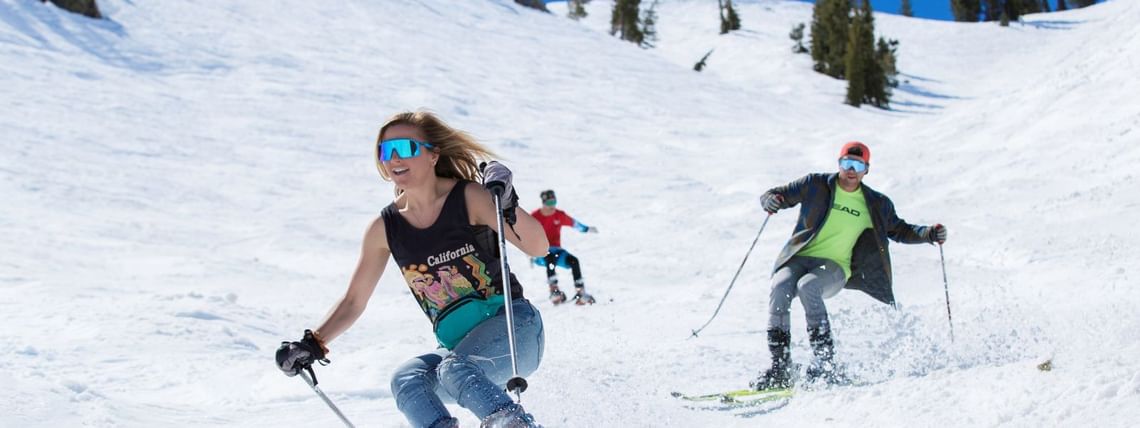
{"x": 740, "y": 396}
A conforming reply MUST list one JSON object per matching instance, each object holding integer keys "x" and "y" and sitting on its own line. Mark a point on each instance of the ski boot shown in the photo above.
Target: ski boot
{"x": 557, "y": 297}
{"x": 824, "y": 368}
{"x": 780, "y": 374}
{"x": 512, "y": 416}
{"x": 582, "y": 298}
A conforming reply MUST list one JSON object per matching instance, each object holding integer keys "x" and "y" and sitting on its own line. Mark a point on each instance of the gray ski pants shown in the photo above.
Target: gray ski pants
{"x": 812, "y": 279}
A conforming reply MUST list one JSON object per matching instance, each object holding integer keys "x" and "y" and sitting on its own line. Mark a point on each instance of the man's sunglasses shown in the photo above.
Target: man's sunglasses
{"x": 852, "y": 164}
{"x": 405, "y": 148}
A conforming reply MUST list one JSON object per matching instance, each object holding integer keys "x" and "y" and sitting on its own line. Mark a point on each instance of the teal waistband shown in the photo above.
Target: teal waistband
{"x": 455, "y": 325}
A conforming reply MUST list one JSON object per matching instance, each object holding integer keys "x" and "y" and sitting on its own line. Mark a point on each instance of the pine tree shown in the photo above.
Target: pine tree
{"x": 1045, "y": 6}
{"x": 1083, "y": 3}
{"x": 1014, "y": 9}
{"x": 866, "y": 80}
{"x": 729, "y": 20}
{"x": 966, "y": 10}
{"x": 1004, "y": 20}
{"x": 840, "y": 25}
{"x": 857, "y": 60}
{"x": 615, "y": 18}
{"x": 1030, "y": 6}
{"x": 993, "y": 10}
{"x": 830, "y": 28}
{"x": 649, "y": 26}
{"x": 905, "y": 9}
{"x": 86, "y": 8}
{"x": 533, "y": 4}
{"x": 577, "y": 9}
{"x": 625, "y": 22}
{"x": 877, "y": 86}
{"x": 700, "y": 65}
{"x": 1061, "y": 5}
{"x": 818, "y": 40}
{"x": 886, "y": 55}
{"x": 733, "y": 17}
{"x": 797, "y": 35}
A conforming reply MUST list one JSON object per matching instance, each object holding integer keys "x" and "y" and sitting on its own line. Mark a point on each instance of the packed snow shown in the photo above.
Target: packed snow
{"x": 186, "y": 184}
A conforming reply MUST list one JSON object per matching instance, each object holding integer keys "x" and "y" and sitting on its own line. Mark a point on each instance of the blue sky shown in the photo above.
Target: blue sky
{"x": 933, "y": 9}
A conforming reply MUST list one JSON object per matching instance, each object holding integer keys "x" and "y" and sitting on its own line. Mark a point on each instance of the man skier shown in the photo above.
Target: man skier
{"x": 840, "y": 241}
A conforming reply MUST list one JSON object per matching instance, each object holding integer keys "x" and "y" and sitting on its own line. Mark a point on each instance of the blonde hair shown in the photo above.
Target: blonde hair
{"x": 459, "y": 153}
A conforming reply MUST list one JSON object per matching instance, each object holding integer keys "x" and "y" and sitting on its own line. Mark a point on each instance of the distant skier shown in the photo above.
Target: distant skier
{"x": 840, "y": 241}
{"x": 441, "y": 229}
{"x": 553, "y": 220}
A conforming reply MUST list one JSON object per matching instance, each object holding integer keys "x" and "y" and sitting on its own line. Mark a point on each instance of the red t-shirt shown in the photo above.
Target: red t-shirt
{"x": 553, "y": 224}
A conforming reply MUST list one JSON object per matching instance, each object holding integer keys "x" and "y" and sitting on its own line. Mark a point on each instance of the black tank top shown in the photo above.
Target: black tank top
{"x": 450, "y": 263}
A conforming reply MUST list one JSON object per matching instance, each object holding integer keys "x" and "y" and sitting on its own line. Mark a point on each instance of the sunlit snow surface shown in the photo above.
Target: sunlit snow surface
{"x": 186, "y": 184}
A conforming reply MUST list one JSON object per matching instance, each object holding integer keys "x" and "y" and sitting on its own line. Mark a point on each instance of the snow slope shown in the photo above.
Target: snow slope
{"x": 186, "y": 185}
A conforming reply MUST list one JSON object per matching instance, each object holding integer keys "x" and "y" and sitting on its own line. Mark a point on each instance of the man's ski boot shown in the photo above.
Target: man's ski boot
{"x": 824, "y": 368}
{"x": 779, "y": 375}
{"x": 582, "y": 298}
{"x": 512, "y": 416}
{"x": 557, "y": 297}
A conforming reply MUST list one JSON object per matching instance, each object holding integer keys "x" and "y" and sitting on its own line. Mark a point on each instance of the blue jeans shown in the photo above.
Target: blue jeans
{"x": 474, "y": 374}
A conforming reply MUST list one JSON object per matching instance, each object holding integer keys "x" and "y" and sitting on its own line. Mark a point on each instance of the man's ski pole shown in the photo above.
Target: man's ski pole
{"x": 312, "y": 381}
{"x": 946, "y": 286}
{"x": 734, "y": 277}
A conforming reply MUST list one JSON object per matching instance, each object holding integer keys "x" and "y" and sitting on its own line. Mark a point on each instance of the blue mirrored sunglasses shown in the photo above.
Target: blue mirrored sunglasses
{"x": 852, "y": 164}
{"x": 405, "y": 148}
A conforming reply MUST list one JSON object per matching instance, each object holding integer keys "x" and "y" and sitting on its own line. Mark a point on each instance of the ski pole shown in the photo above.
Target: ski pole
{"x": 946, "y": 286}
{"x": 722, "y": 299}
{"x": 516, "y": 384}
{"x": 311, "y": 379}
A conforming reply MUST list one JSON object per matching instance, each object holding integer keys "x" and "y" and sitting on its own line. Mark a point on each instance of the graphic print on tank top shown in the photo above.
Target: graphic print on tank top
{"x": 437, "y": 287}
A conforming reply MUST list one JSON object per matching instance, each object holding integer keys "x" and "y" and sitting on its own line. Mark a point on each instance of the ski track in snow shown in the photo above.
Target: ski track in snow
{"x": 186, "y": 185}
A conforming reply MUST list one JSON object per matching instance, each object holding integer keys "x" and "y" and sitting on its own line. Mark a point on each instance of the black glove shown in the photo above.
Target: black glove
{"x": 497, "y": 180}
{"x": 509, "y": 215}
{"x": 772, "y": 202}
{"x": 938, "y": 233}
{"x": 292, "y": 357}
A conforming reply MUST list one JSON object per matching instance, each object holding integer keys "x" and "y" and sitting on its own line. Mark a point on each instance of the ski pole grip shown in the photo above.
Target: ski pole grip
{"x": 497, "y": 188}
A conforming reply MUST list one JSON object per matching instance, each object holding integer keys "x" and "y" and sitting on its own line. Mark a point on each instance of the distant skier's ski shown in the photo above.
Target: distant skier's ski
{"x": 740, "y": 396}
